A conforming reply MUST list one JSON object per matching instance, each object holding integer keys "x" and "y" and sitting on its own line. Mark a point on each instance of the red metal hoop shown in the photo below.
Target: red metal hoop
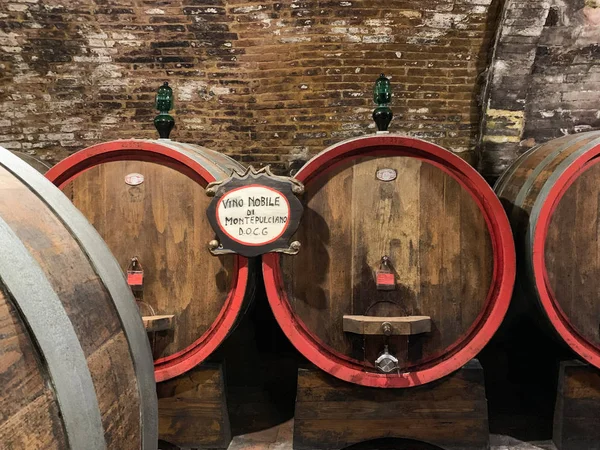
{"x": 164, "y": 154}
{"x": 554, "y": 312}
{"x": 500, "y": 292}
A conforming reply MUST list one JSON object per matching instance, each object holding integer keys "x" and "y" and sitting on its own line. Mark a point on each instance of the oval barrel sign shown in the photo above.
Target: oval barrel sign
{"x": 134, "y": 179}
{"x": 254, "y": 212}
{"x": 253, "y": 215}
{"x": 386, "y": 174}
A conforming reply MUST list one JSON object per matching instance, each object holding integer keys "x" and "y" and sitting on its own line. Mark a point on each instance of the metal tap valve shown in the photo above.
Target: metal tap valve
{"x": 386, "y": 362}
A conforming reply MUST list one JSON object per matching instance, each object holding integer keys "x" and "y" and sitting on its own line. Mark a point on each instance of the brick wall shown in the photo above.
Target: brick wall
{"x": 267, "y": 82}
{"x": 545, "y": 78}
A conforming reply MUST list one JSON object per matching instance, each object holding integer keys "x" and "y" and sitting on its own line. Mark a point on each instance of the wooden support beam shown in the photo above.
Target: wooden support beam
{"x": 450, "y": 414}
{"x": 390, "y": 326}
{"x": 158, "y": 323}
{"x": 577, "y": 407}
{"x": 192, "y": 409}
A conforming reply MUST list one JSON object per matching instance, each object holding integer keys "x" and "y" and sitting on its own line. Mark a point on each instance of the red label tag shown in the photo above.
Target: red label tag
{"x": 135, "y": 278}
{"x": 386, "y": 281}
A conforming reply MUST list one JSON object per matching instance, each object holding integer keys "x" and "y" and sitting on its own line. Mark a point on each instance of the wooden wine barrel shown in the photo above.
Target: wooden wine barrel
{"x": 551, "y": 197}
{"x": 75, "y": 363}
{"x": 449, "y": 244}
{"x": 160, "y": 218}
{"x": 34, "y": 162}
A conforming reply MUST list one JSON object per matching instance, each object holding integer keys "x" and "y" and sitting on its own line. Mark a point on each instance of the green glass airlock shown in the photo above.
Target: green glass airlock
{"x": 382, "y": 96}
{"x": 164, "y": 122}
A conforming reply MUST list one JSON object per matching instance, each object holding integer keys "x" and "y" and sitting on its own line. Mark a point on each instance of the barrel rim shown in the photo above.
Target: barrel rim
{"x": 132, "y": 149}
{"x": 179, "y": 158}
{"x": 510, "y": 171}
{"x": 30, "y": 158}
{"x": 485, "y": 325}
{"x": 541, "y": 215}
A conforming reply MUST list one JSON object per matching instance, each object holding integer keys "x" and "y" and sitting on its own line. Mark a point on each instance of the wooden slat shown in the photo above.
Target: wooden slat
{"x": 317, "y": 386}
{"x": 159, "y": 323}
{"x": 400, "y": 326}
{"x": 370, "y": 410}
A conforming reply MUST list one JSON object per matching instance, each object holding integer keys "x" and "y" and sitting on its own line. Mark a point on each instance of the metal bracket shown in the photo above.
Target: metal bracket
{"x": 217, "y": 249}
{"x": 297, "y": 186}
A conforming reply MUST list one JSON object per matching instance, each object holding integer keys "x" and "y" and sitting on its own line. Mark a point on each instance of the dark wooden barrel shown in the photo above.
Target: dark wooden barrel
{"x": 162, "y": 221}
{"x": 451, "y": 252}
{"x": 75, "y": 364}
{"x": 551, "y": 197}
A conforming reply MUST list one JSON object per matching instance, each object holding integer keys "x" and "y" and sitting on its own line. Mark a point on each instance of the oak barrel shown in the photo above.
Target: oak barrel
{"x": 551, "y": 197}
{"x": 449, "y": 247}
{"x": 34, "y": 162}
{"x": 146, "y": 198}
{"x": 75, "y": 363}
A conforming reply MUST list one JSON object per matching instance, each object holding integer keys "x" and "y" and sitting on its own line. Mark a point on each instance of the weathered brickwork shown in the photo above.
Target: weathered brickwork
{"x": 545, "y": 77}
{"x": 268, "y": 82}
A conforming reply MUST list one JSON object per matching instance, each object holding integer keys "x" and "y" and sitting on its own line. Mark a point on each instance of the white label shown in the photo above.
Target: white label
{"x": 134, "y": 179}
{"x": 253, "y": 215}
{"x": 386, "y": 174}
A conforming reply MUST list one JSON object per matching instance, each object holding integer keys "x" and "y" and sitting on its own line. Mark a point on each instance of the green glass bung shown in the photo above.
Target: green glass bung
{"x": 164, "y": 122}
{"x": 382, "y": 96}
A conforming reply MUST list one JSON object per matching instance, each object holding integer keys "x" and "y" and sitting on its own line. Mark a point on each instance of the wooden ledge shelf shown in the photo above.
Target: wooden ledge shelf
{"x": 158, "y": 323}
{"x": 398, "y": 326}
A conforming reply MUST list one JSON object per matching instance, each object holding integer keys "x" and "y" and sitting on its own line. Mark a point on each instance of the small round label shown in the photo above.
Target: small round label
{"x": 253, "y": 215}
{"x": 134, "y": 179}
{"x": 387, "y": 174}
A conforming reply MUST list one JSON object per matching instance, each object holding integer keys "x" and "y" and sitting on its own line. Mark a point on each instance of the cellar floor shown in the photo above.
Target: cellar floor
{"x": 280, "y": 438}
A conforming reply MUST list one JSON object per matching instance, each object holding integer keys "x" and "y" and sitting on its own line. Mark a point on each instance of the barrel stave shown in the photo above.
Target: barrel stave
{"x": 29, "y": 414}
{"x": 521, "y": 189}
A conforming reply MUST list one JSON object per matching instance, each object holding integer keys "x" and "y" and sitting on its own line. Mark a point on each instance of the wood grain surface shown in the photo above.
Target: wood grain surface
{"x": 92, "y": 313}
{"x": 29, "y": 413}
{"x": 577, "y": 407}
{"x": 572, "y": 249}
{"x": 162, "y": 222}
{"x": 332, "y": 414}
{"x": 193, "y": 409}
{"x": 567, "y": 279}
{"x": 435, "y": 235}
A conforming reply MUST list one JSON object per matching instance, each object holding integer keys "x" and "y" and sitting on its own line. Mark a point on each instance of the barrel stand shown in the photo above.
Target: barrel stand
{"x": 450, "y": 413}
{"x": 192, "y": 409}
{"x": 577, "y": 413}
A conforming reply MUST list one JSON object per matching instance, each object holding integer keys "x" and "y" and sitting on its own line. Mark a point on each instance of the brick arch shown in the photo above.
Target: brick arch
{"x": 542, "y": 80}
